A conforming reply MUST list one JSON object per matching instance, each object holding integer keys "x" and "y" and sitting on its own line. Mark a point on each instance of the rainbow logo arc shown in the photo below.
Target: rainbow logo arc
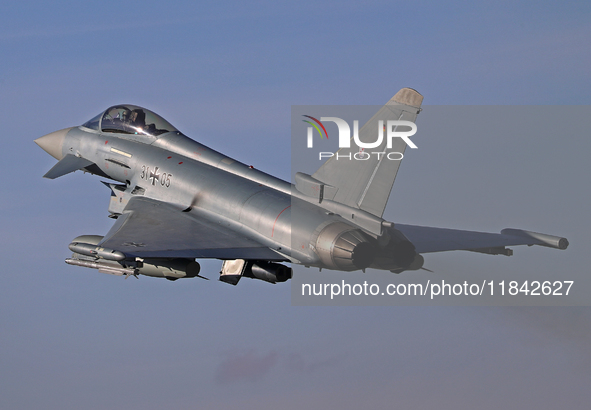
{"x": 316, "y": 126}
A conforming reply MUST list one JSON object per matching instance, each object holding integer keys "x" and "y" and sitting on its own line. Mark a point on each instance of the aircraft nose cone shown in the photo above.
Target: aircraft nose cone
{"x": 52, "y": 142}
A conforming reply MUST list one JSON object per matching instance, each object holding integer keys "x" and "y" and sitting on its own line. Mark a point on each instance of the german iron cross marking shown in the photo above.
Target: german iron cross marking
{"x": 154, "y": 176}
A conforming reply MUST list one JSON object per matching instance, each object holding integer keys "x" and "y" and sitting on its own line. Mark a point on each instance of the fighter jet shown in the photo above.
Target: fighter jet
{"x": 175, "y": 200}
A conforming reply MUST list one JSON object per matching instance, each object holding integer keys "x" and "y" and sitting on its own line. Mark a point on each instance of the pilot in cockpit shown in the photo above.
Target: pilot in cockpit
{"x": 133, "y": 120}
{"x": 123, "y": 115}
{"x": 114, "y": 115}
{"x": 137, "y": 118}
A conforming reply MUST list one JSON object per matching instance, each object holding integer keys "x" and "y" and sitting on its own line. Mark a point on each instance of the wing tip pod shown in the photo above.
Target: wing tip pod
{"x": 408, "y": 96}
{"x": 543, "y": 239}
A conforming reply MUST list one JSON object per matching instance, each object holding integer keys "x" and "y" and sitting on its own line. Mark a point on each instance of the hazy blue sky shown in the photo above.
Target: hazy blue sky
{"x": 227, "y": 74}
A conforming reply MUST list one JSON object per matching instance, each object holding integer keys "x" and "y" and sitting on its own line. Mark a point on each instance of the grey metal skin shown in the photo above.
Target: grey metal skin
{"x": 179, "y": 200}
{"x": 215, "y": 187}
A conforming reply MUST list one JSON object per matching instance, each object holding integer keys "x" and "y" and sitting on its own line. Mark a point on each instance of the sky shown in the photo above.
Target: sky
{"x": 227, "y": 74}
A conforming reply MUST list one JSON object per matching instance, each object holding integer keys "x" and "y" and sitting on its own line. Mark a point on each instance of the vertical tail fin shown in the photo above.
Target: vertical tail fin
{"x": 366, "y": 184}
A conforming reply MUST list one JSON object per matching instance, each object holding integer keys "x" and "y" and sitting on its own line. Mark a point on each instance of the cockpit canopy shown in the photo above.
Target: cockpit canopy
{"x": 130, "y": 119}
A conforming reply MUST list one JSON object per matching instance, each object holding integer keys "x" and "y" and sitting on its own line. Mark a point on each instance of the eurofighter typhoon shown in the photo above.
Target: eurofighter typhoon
{"x": 175, "y": 200}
